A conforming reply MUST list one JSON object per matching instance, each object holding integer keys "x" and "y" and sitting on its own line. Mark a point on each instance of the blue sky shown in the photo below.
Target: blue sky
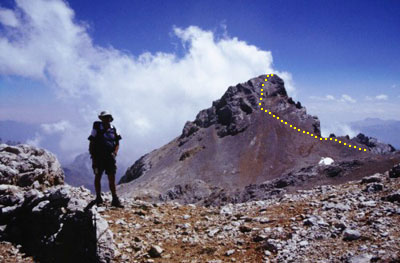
{"x": 351, "y": 43}
{"x": 327, "y": 46}
{"x": 61, "y": 62}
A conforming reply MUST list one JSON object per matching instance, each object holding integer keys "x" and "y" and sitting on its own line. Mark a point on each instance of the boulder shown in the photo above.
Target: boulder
{"x": 395, "y": 171}
{"x": 23, "y": 165}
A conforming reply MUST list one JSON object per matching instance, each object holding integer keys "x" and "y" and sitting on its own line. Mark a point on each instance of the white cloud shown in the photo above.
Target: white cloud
{"x": 330, "y": 97}
{"x": 338, "y": 128}
{"x": 36, "y": 141}
{"x": 151, "y": 95}
{"x": 8, "y": 17}
{"x": 57, "y": 127}
{"x": 326, "y": 98}
{"x": 347, "y": 98}
{"x": 381, "y": 97}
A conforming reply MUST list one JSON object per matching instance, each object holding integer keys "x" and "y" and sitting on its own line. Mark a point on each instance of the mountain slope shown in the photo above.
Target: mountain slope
{"x": 234, "y": 144}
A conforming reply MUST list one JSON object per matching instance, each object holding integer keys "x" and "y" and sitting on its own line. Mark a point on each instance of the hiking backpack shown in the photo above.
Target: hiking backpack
{"x": 104, "y": 141}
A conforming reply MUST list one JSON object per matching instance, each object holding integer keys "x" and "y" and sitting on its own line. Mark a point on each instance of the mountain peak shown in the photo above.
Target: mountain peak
{"x": 232, "y": 111}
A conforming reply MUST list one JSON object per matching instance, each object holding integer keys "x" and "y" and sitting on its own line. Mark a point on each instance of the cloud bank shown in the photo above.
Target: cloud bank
{"x": 150, "y": 95}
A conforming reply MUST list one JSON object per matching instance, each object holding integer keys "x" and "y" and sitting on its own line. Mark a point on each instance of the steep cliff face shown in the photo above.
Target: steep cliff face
{"x": 234, "y": 144}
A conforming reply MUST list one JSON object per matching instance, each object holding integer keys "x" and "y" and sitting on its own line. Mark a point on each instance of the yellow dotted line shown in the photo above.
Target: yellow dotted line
{"x": 302, "y": 131}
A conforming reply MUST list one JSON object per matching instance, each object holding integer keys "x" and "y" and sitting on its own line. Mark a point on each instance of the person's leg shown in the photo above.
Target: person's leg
{"x": 98, "y": 171}
{"x": 115, "y": 200}
{"x": 97, "y": 183}
{"x": 111, "y": 183}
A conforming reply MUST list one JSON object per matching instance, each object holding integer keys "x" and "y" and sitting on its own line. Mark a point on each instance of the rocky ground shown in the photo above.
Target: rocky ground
{"x": 47, "y": 221}
{"x": 11, "y": 253}
{"x": 355, "y": 222}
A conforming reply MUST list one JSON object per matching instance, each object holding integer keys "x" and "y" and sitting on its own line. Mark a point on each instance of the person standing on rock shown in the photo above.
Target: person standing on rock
{"x": 103, "y": 149}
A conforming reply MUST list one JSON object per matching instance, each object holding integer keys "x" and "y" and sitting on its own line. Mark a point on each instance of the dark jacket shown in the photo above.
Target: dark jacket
{"x": 103, "y": 142}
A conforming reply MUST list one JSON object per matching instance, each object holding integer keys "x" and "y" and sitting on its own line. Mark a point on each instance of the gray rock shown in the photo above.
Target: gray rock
{"x": 39, "y": 207}
{"x": 213, "y": 231}
{"x": 395, "y": 171}
{"x": 363, "y": 258}
{"x": 393, "y": 197}
{"x": 373, "y": 187}
{"x": 350, "y": 235}
{"x": 155, "y": 251}
{"x": 376, "y": 178}
{"x": 311, "y": 221}
{"x": 303, "y": 243}
{"x": 22, "y": 165}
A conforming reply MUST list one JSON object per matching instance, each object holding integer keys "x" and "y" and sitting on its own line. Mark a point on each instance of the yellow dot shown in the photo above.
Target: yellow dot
{"x": 273, "y": 116}
{"x": 262, "y": 108}
{"x": 290, "y": 125}
{"x": 316, "y": 136}
{"x": 344, "y": 143}
{"x": 355, "y": 147}
{"x": 260, "y": 98}
{"x": 304, "y": 132}
{"x": 277, "y": 117}
{"x": 294, "y": 128}
{"x": 320, "y": 139}
{"x": 262, "y": 94}
{"x": 269, "y": 112}
{"x": 267, "y": 76}
{"x": 330, "y": 139}
{"x": 349, "y": 146}
{"x": 285, "y": 122}
{"x": 308, "y": 133}
{"x": 261, "y": 89}
{"x": 340, "y": 142}
{"x": 265, "y": 79}
{"x": 281, "y": 120}
{"x": 272, "y": 75}
{"x": 298, "y": 129}
{"x": 326, "y": 139}
{"x": 262, "y": 84}
{"x": 359, "y": 149}
{"x": 312, "y": 135}
{"x": 365, "y": 150}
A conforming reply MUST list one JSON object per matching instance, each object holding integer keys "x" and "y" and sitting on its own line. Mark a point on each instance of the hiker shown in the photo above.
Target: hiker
{"x": 103, "y": 148}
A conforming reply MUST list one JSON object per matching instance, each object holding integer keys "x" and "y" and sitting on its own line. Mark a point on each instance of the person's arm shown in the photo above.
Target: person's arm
{"x": 116, "y": 149}
{"x": 118, "y": 137}
{"x": 91, "y": 143}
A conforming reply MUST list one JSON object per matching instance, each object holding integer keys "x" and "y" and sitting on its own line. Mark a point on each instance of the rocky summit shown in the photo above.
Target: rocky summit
{"x": 234, "y": 152}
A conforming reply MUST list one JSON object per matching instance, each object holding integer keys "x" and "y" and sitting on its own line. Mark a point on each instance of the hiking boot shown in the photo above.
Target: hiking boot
{"x": 99, "y": 200}
{"x": 116, "y": 203}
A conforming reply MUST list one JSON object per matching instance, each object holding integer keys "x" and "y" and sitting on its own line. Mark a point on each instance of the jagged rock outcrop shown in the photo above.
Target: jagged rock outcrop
{"x": 233, "y": 145}
{"x": 374, "y": 144}
{"x": 22, "y": 165}
{"x": 51, "y": 221}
